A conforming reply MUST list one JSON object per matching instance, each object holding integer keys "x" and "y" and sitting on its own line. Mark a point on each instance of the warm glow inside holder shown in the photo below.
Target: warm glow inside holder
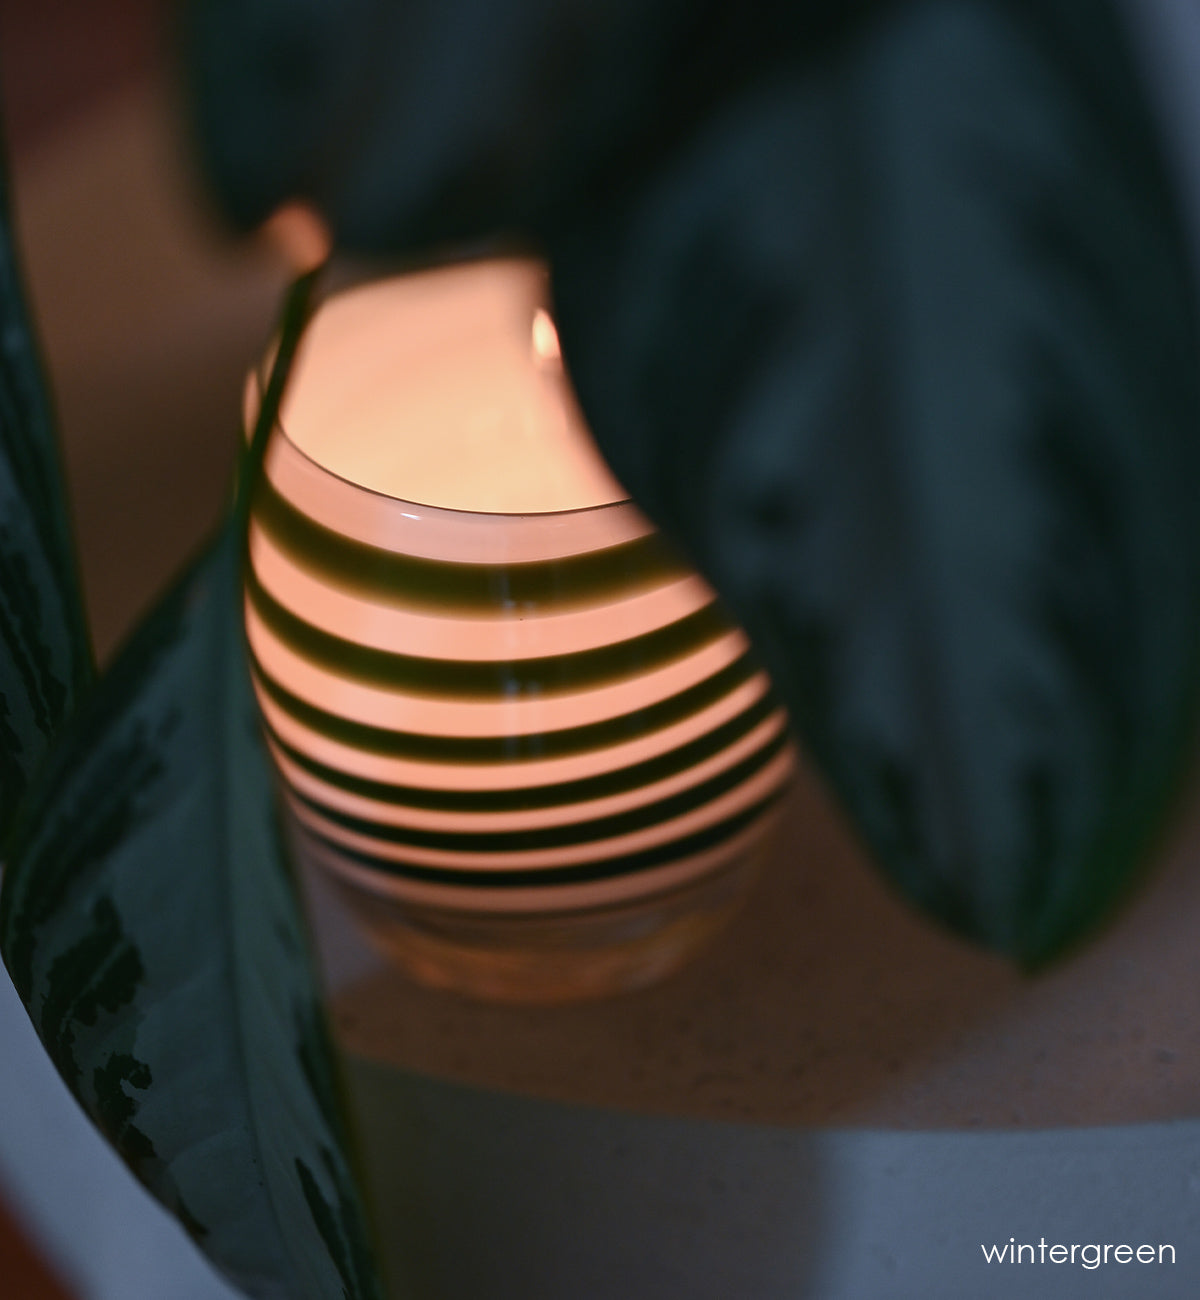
{"x": 520, "y": 734}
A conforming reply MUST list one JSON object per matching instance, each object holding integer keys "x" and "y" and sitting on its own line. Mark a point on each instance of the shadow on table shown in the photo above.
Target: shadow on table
{"x": 484, "y": 1194}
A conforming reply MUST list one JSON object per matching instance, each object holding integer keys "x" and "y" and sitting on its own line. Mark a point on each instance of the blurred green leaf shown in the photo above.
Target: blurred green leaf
{"x": 435, "y": 122}
{"x": 45, "y": 655}
{"x": 150, "y": 925}
{"x": 905, "y": 348}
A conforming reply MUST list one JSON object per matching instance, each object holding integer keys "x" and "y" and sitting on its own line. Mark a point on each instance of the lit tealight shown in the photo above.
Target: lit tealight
{"x": 446, "y": 388}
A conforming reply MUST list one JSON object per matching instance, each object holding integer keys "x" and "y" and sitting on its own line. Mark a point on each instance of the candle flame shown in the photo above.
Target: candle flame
{"x": 545, "y": 337}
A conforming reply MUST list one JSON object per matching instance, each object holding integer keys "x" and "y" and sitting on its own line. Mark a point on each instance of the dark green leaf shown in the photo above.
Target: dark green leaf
{"x": 45, "y": 657}
{"x": 150, "y": 925}
{"x": 416, "y": 125}
{"x": 903, "y": 345}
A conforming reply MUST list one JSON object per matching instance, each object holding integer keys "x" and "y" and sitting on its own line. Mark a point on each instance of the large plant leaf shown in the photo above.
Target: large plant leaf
{"x": 904, "y": 346}
{"x": 415, "y": 125}
{"x": 150, "y": 926}
{"x": 45, "y": 655}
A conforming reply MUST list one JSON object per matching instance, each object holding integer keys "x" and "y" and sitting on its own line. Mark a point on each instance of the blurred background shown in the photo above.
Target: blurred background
{"x": 150, "y": 314}
{"x": 148, "y": 310}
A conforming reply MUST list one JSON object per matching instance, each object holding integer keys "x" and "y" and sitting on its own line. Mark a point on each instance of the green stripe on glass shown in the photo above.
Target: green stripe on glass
{"x": 388, "y": 578}
{"x": 578, "y": 873}
{"x": 533, "y": 747}
{"x": 570, "y": 835}
{"x": 467, "y": 679}
{"x": 529, "y": 798}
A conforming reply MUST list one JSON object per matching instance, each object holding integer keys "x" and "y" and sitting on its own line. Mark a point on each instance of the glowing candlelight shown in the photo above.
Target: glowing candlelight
{"x": 461, "y": 367}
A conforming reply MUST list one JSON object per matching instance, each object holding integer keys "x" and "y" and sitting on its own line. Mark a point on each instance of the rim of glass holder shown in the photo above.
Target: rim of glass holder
{"x": 625, "y": 501}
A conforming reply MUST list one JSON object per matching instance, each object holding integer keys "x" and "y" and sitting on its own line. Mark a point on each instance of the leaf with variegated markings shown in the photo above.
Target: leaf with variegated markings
{"x": 904, "y": 346}
{"x": 45, "y": 657}
{"x": 150, "y": 924}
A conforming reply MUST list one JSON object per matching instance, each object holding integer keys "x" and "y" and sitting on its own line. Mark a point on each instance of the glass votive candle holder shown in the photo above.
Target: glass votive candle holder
{"x": 520, "y": 735}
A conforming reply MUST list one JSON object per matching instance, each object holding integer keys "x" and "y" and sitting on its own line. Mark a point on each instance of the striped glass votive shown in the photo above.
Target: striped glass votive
{"x": 529, "y": 746}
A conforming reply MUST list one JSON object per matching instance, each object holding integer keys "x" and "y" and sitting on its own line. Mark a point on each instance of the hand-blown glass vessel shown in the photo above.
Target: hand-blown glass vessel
{"x": 520, "y": 734}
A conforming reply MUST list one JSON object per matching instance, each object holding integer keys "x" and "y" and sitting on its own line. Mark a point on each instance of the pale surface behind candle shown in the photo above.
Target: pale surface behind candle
{"x": 446, "y": 388}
